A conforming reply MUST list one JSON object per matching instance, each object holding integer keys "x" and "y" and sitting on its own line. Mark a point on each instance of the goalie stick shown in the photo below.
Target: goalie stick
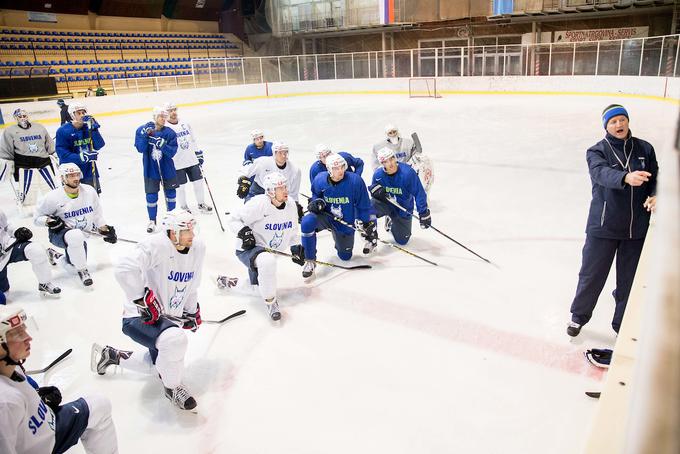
{"x": 354, "y": 267}
{"x": 50, "y": 365}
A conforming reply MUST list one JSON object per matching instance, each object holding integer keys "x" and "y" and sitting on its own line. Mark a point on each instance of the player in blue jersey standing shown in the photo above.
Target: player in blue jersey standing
{"x": 354, "y": 165}
{"x": 397, "y": 182}
{"x": 337, "y": 195}
{"x": 79, "y": 142}
{"x": 158, "y": 145}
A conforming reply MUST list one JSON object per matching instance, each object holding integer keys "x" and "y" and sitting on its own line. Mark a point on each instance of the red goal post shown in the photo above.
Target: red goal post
{"x": 423, "y": 87}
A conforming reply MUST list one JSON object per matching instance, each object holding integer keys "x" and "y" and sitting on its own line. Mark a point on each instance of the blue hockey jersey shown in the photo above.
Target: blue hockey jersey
{"x": 354, "y": 165}
{"x": 403, "y": 186}
{"x": 252, "y": 152}
{"x": 73, "y": 145}
{"x": 348, "y": 199}
{"x": 146, "y": 139}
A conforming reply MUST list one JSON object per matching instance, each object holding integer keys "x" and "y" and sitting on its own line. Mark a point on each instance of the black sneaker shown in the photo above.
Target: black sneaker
{"x": 573, "y": 329}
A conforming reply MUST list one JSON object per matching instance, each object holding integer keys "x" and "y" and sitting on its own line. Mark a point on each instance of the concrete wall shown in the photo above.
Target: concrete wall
{"x": 657, "y": 87}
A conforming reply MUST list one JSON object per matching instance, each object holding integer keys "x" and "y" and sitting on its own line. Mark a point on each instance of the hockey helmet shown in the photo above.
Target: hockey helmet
{"x": 322, "y": 151}
{"x": 274, "y": 180}
{"x": 75, "y": 107}
{"x": 256, "y": 133}
{"x": 178, "y": 220}
{"x": 280, "y": 147}
{"x": 10, "y": 318}
{"x": 385, "y": 154}
{"x": 69, "y": 168}
{"x": 334, "y": 161}
{"x": 158, "y": 110}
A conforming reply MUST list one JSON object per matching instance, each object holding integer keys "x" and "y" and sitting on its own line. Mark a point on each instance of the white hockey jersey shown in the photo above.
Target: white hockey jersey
{"x": 156, "y": 263}
{"x": 186, "y": 145}
{"x": 266, "y": 164}
{"x": 272, "y": 227}
{"x": 6, "y": 238}
{"x": 26, "y": 423}
{"x": 84, "y": 212}
{"x": 404, "y": 149}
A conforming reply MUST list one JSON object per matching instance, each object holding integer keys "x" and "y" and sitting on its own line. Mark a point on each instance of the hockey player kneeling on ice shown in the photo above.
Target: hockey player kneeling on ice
{"x": 266, "y": 221}
{"x": 79, "y": 142}
{"x": 32, "y": 418}
{"x": 68, "y": 212}
{"x": 26, "y": 152}
{"x": 258, "y": 148}
{"x": 158, "y": 145}
{"x": 265, "y": 165}
{"x": 339, "y": 194}
{"x": 354, "y": 165}
{"x": 398, "y": 182}
{"x": 15, "y": 246}
{"x": 188, "y": 160}
{"x": 160, "y": 278}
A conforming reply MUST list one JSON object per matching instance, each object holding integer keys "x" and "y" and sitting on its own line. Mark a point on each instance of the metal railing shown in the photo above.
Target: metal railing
{"x": 653, "y": 56}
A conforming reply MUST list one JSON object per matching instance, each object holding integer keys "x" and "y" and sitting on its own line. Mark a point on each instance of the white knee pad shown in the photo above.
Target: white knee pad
{"x": 266, "y": 274}
{"x": 100, "y": 436}
{"x": 171, "y": 345}
{"x": 100, "y": 409}
{"x": 35, "y": 254}
{"x": 76, "y": 249}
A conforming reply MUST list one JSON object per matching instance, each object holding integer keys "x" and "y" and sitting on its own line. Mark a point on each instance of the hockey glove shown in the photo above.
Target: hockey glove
{"x": 55, "y": 224}
{"x": 157, "y": 142}
{"x": 378, "y": 192}
{"x": 87, "y": 156}
{"x": 243, "y": 187}
{"x": 300, "y": 211}
{"x": 109, "y": 234}
{"x": 247, "y": 238}
{"x": 425, "y": 219}
{"x": 22, "y": 234}
{"x": 51, "y": 396}
{"x": 298, "y": 254}
{"x": 316, "y": 206}
{"x": 199, "y": 156}
{"x": 91, "y": 122}
{"x": 150, "y": 309}
{"x": 193, "y": 320}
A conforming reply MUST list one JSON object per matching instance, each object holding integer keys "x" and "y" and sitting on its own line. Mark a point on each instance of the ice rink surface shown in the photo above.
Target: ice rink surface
{"x": 405, "y": 358}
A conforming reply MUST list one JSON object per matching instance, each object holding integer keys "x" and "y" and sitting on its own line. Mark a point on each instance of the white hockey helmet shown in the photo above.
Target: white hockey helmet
{"x": 21, "y": 116}
{"x": 75, "y": 107}
{"x": 168, "y": 106}
{"x": 69, "y": 168}
{"x": 390, "y": 128}
{"x": 335, "y": 160}
{"x": 322, "y": 151}
{"x": 255, "y": 133}
{"x": 158, "y": 110}
{"x": 279, "y": 146}
{"x": 178, "y": 220}
{"x": 384, "y": 155}
{"x": 274, "y": 180}
{"x": 10, "y": 318}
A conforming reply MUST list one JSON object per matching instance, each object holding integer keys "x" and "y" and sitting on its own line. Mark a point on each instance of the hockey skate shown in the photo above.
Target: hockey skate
{"x": 205, "y": 208}
{"x": 388, "y": 223}
{"x": 102, "y": 358}
{"x": 181, "y": 398}
{"x": 226, "y": 282}
{"x": 308, "y": 269}
{"x": 273, "y": 308}
{"x": 573, "y": 329}
{"x": 151, "y": 227}
{"x": 369, "y": 246}
{"x": 85, "y": 278}
{"x": 53, "y": 256}
{"x": 48, "y": 289}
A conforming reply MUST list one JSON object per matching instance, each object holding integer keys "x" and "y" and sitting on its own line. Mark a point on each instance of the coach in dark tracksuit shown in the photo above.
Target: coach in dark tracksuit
{"x": 623, "y": 171}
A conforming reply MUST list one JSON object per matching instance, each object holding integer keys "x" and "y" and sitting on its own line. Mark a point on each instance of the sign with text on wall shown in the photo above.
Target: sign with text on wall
{"x": 34, "y": 16}
{"x": 599, "y": 34}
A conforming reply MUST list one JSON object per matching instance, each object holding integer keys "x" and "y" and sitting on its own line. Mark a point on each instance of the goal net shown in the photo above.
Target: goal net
{"x": 422, "y": 87}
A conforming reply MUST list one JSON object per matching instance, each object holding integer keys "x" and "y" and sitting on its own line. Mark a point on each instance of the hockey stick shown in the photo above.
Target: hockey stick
{"x": 95, "y": 179}
{"x": 217, "y": 212}
{"x": 394, "y": 202}
{"x": 50, "y": 365}
{"x": 94, "y": 232}
{"x": 17, "y": 196}
{"x": 7, "y": 249}
{"x": 354, "y": 267}
{"x": 387, "y": 243}
{"x": 209, "y": 322}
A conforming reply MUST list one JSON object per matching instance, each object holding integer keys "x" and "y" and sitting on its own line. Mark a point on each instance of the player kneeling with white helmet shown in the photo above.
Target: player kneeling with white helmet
{"x": 68, "y": 212}
{"x": 32, "y": 419}
{"x": 396, "y": 183}
{"x": 15, "y": 246}
{"x": 160, "y": 278}
{"x": 267, "y": 220}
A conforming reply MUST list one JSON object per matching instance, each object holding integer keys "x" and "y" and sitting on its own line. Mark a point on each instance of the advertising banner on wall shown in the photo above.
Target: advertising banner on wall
{"x": 599, "y": 34}
{"x": 34, "y": 16}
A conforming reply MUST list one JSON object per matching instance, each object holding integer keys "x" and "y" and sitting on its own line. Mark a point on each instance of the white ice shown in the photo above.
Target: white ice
{"x": 404, "y": 358}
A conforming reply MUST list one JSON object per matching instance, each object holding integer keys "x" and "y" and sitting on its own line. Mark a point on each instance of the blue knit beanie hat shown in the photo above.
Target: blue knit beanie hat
{"x": 612, "y": 111}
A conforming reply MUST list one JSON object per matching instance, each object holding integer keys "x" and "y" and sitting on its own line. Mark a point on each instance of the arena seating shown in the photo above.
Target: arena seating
{"x": 82, "y": 59}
